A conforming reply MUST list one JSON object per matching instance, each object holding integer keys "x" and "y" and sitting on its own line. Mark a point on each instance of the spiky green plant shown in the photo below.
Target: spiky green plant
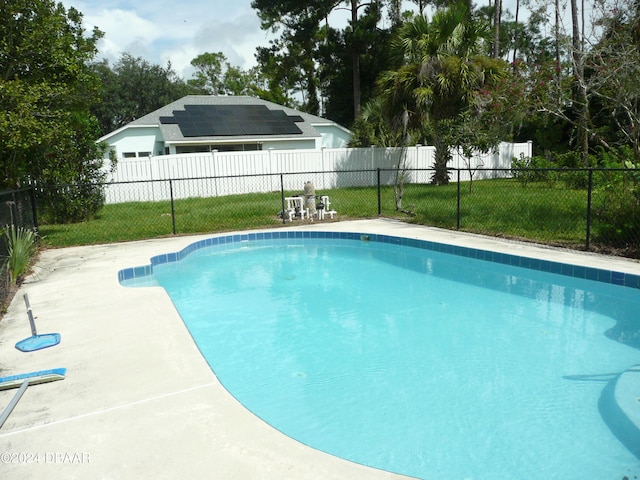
{"x": 21, "y": 246}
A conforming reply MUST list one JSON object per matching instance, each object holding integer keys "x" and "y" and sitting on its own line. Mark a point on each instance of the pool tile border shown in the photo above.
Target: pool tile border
{"x": 578, "y": 271}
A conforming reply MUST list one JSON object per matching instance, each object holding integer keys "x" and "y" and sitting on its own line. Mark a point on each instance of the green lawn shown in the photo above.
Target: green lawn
{"x": 541, "y": 212}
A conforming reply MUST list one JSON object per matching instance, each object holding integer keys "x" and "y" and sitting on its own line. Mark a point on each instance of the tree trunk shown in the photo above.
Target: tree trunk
{"x": 442, "y": 156}
{"x": 581, "y": 107}
{"x": 400, "y": 177}
{"x": 557, "y": 32}
{"x": 355, "y": 62}
{"x": 497, "y": 14}
{"x": 312, "y": 104}
{"x": 516, "y": 37}
{"x": 356, "y": 84}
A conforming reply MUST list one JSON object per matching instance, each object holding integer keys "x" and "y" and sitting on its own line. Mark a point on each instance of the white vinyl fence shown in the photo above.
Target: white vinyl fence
{"x": 227, "y": 173}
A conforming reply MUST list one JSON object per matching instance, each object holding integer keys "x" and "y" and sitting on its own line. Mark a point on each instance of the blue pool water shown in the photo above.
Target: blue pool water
{"x": 414, "y": 361}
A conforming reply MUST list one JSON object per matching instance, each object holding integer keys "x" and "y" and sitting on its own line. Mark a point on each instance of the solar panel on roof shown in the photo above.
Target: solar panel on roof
{"x": 168, "y": 120}
{"x": 232, "y": 120}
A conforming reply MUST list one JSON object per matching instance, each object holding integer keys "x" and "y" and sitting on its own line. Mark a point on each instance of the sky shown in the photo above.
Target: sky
{"x": 178, "y": 31}
{"x": 175, "y": 31}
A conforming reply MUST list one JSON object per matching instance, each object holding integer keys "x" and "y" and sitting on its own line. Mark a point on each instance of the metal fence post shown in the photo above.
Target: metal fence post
{"x": 379, "y": 193}
{"x": 458, "y": 207}
{"x": 282, "y": 196}
{"x": 13, "y": 211}
{"x": 589, "y": 190}
{"x": 32, "y": 194}
{"x": 173, "y": 210}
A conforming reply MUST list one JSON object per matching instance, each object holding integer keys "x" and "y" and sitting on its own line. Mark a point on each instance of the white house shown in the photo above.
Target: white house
{"x": 204, "y": 123}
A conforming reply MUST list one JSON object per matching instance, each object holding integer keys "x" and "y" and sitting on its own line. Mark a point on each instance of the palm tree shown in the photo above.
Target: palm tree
{"x": 442, "y": 71}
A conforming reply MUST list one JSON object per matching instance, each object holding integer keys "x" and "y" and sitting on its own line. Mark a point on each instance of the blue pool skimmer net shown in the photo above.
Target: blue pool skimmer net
{"x": 36, "y": 341}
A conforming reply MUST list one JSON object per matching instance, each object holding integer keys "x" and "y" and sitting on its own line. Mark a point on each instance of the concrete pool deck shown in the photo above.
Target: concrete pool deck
{"x": 138, "y": 400}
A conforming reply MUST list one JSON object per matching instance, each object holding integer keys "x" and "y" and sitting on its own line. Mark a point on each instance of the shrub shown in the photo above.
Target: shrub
{"x": 71, "y": 203}
{"x": 531, "y": 169}
{"x": 21, "y": 246}
{"x": 569, "y": 159}
{"x": 576, "y": 179}
{"x": 618, "y": 208}
{"x": 70, "y": 196}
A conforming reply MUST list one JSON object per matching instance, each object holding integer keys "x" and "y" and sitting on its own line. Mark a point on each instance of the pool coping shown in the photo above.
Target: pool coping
{"x": 139, "y": 400}
{"x": 613, "y": 277}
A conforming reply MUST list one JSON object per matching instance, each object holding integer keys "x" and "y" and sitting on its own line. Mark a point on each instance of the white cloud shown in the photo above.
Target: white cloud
{"x": 237, "y": 38}
{"x": 159, "y": 32}
{"x": 124, "y": 32}
{"x": 180, "y": 58}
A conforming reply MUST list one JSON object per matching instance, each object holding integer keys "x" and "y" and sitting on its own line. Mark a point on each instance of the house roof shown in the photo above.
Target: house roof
{"x": 215, "y": 119}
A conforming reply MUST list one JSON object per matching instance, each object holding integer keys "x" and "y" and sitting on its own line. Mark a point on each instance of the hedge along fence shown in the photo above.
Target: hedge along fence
{"x": 259, "y": 171}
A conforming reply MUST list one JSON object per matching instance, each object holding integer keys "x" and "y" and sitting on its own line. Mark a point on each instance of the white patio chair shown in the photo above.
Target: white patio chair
{"x": 295, "y": 208}
{"x": 326, "y": 210}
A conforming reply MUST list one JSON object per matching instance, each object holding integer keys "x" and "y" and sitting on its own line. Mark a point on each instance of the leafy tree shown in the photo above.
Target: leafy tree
{"x": 238, "y": 81}
{"x": 358, "y": 37}
{"x": 282, "y": 75}
{"x": 527, "y": 41}
{"x": 306, "y": 40}
{"x": 107, "y": 109}
{"x": 133, "y": 88}
{"x": 336, "y": 64}
{"x": 612, "y": 72}
{"x": 292, "y": 56}
{"x": 216, "y": 76}
{"x": 592, "y": 94}
{"x": 373, "y": 128}
{"x": 208, "y": 74}
{"x": 47, "y": 133}
{"x": 443, "y": 82}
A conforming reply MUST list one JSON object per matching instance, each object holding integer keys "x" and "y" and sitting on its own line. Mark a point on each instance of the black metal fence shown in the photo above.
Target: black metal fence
{"x": 586, "y": 209}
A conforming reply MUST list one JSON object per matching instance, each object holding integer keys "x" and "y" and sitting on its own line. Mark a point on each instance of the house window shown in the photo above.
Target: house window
{"x": 232, "y": 147}
{"x": 238, "y": 147}
{"x": 144, "y": 154}
{"x": 193, "y": 149}
{"x": 129, "y": 155}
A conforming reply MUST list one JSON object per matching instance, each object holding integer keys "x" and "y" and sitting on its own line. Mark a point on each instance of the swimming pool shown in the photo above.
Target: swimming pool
{"x": 454, "y": 378}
